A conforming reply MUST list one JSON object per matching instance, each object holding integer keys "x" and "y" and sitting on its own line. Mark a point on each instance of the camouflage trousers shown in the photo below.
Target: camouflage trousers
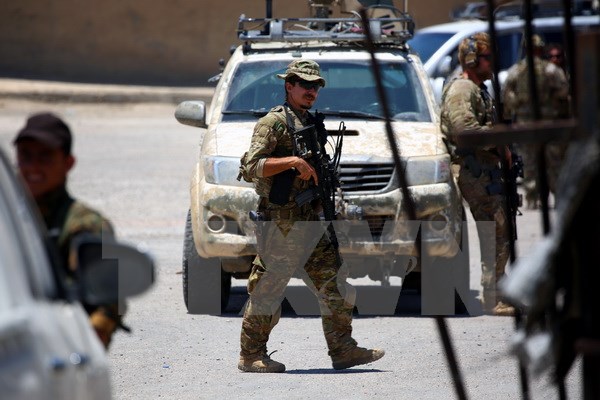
{"x": 494, "y": 237}
{"x": 555, "y": 154}
{"x": 287, "y": 244}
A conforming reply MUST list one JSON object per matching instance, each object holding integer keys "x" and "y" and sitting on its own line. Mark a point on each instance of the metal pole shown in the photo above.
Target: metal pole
{"x": 542, "y": 180}
{"x": 269, "y": 11}
{"x": 570, "y": 54}
{"x": 505, "y": 172}
{"x": 408, "y": 202}
{"x": 495, "y": 63}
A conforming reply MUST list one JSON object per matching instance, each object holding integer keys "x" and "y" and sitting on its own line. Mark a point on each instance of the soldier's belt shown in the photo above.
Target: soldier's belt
{"x": 284, "y": 212}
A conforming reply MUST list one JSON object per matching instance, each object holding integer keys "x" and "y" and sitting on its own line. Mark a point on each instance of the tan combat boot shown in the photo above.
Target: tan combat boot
{"x": 493, "y": 306}
{"x": 504, "y": 310}
{"x": 356, "y": 356}
{"x": 260, "y": 363}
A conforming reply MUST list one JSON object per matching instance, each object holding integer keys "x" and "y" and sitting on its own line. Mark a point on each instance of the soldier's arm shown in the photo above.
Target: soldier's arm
{"x": 262, "y": 145}
{"x": 560, "y": 90}
{"x": 105, "y": 320}
{"x": 82, "y": 220}
{"x": 504, "y": 151}
{"x": 509, "y": 97}
{"x": 462, "y": 106}
{"x": 275, "y": 165}
{"x": 259, "y": 162}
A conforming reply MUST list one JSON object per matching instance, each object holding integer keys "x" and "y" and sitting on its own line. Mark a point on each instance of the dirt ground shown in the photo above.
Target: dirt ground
{"x": 134, "y": 163}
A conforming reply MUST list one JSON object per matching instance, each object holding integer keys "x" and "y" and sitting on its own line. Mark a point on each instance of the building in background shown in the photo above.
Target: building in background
{"x": 161, "y": 42}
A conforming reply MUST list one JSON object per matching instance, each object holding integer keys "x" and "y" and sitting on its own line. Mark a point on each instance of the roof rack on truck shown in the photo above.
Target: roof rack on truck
{"x": 394, "y": 30}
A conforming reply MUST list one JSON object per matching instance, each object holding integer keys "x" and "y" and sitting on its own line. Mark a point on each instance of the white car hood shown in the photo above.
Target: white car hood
{"x": 362, "y": 138}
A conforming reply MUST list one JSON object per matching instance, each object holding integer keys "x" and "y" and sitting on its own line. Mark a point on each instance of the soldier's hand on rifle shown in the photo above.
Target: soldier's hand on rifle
{"x": 275, "y": 165}
{"x": 305, "y": 170}
{"x": 505, "y": 151}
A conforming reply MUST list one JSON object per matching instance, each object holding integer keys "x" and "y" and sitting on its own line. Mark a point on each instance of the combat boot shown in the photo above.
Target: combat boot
{"x": 504, "y": 310}
{"x": 492, "y": 306}
{"x": 260, "y": 363}
{"x": 356, "y": 356}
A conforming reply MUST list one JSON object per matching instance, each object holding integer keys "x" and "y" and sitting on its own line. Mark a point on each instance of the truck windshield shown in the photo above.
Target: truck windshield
{"x": 350, "y": 90}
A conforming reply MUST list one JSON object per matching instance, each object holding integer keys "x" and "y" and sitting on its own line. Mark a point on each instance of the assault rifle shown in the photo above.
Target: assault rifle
{"x": 309, "y": 144}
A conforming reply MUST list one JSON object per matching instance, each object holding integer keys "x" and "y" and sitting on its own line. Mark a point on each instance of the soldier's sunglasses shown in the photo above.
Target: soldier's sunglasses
{"x": 306, "y": 85}
{"x": 487, "y": 57}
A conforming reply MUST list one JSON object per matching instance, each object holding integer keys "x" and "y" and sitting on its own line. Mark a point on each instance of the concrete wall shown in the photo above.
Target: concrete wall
{"x": 162, "y": 42}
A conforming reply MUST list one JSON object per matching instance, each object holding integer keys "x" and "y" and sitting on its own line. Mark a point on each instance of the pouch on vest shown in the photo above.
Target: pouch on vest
{"x": 282, "y": 186}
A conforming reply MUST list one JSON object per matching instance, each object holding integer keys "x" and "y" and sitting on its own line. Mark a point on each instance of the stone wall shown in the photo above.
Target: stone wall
{"x": 159, "y": 42}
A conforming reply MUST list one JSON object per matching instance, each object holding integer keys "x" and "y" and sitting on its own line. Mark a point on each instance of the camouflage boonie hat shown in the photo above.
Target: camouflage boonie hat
{"x": 307, "y": 70}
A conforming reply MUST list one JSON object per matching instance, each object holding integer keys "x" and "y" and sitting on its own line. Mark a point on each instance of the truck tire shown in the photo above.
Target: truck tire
{"x": 206, "y": 287}
{"x": 460, "y": 276}
{"x": 460, "y": 306}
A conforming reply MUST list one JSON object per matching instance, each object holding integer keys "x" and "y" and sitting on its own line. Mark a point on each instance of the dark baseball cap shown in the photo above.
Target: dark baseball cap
{"x": 47, "y": 128}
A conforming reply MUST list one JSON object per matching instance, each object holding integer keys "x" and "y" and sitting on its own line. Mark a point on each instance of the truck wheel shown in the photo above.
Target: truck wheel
{"x": 412, "y": 281}
{"x": 460, "y": 306}
{"x": 206, "y": 287}
{"x": 458, "y": 276}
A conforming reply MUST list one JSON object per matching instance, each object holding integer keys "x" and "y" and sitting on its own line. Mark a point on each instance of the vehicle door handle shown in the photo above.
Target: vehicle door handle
{"x": 76, "y": 359}
{"x": 79, "y": 359}
{"x": 58, "y": 364}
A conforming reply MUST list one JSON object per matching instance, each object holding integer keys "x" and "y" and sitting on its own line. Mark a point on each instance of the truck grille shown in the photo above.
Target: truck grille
{"x": 376, "y": 226}
{"x": 365, "y": 177}
{"x": 376, "y": 223}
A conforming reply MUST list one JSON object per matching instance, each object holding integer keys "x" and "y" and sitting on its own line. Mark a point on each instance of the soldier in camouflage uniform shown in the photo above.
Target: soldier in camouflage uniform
{"x": 44, "y": 159}
{"x": 553, "y": 96}
{"x": 466, "y": 104}
{"x": 270, "y": 154}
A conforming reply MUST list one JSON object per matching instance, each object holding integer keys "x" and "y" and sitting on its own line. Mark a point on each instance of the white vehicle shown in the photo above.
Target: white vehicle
{"x": 219, "y": 236}
{"x": 437, "y": 45}
{"x": 471, "y": 9}
{"x": 48, "y": 349}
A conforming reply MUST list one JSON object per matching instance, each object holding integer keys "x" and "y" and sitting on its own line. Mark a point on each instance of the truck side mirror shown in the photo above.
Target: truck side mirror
{"x": 191, "y": 113}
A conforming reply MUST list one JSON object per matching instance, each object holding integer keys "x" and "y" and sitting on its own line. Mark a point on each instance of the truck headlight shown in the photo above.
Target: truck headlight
{"x": 428, "y": 170}
{"x": 220, "y": 170}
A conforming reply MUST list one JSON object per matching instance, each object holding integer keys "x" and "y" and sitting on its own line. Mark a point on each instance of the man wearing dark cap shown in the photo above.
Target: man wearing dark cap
{"x": 44, "y": 160}
{"x": 271, "y": 154}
